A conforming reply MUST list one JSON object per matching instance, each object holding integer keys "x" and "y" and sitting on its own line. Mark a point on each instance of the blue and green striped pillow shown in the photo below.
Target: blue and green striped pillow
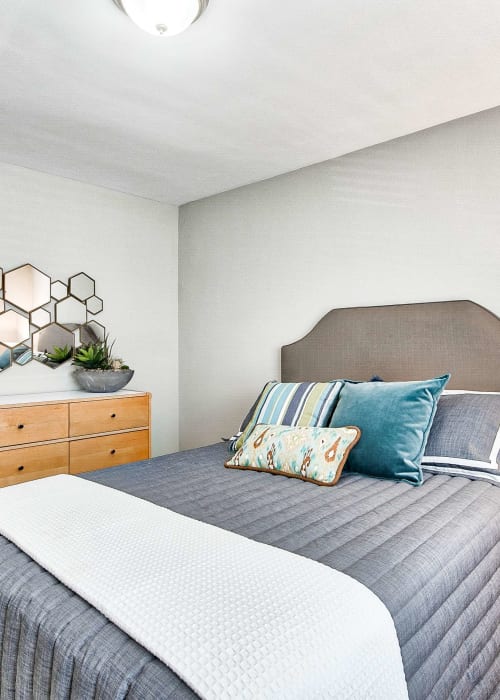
{"x": 292, "y": 403}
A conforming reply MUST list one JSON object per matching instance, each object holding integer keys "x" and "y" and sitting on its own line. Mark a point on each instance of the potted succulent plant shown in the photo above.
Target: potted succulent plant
{"x": 59, "y": 355}
{"x": 97, "y": 370}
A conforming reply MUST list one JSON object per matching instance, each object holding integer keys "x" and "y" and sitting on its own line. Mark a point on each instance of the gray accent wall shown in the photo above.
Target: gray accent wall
{"x": 411, "y": 220}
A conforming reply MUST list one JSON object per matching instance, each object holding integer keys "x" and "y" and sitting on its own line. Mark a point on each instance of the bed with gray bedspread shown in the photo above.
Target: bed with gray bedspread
{"x": 431, "y": 554}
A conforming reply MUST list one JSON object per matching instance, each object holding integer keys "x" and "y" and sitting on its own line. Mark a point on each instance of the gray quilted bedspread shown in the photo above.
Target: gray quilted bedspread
{"x": 431, "y": 554}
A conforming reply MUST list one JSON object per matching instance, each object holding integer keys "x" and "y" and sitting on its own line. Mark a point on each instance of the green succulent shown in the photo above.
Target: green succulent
{"x": 95, "y": 355}
{"x": 59, "y": 354}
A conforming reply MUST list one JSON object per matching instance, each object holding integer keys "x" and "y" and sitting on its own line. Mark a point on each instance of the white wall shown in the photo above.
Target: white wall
{"x": 415, "y": 219}
{"x": 129, "y": 246}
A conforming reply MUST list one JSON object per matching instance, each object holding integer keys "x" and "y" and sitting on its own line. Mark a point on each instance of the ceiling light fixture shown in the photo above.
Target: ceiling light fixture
{"x": 163, "y": 17}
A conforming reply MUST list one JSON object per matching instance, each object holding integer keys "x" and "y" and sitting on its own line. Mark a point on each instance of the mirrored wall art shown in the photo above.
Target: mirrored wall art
{"x": 81, "y": 286}
{"x": 14, "y": 328}
{"x": 5, "y": 357}
{"x": 40, "y": 317}
{"x": 92, "y": 332}
{"x": 53, "y": 345}
{"x": 26, "y": 287}
{"x": 22, "y": 354}
{"x": 71, "y": 312}
{"x": 58, "y": 290}
{"x": 94, "y": 305}
{"x": 46, "y": 320}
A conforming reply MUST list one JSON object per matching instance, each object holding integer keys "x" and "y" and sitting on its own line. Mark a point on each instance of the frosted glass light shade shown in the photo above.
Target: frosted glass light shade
{"x": 163, "y": 17}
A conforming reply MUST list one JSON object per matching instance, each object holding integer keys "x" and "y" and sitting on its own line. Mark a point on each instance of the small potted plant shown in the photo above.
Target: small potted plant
{"x": 97, "y": 370}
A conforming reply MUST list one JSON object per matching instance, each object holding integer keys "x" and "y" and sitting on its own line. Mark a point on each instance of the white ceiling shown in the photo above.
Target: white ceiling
{"x": 253, "y": 89}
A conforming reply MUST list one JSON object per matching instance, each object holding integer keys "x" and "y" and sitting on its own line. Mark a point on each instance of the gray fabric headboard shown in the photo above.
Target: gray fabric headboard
{"x": 401, "y": 343}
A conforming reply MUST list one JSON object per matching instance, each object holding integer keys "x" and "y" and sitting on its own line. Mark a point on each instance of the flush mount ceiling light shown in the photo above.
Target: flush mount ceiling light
{"x": 163, "y": 17}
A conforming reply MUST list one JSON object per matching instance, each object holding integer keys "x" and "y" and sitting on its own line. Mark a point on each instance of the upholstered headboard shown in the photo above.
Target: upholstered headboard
{"x": 401, "y": 343}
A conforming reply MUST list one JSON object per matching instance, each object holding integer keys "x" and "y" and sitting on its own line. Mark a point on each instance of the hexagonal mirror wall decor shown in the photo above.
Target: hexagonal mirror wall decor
{"x": 71, "y": 312}
{"x": 43, "y": 319}
{"x": 53, "y": 345}
{"x": 92, "y": 332}
{"x": 5, "y": 358}
{"x": 22, "y": 354}
{"x": 14, "y": 328}
{"x": 26, "y": 287}
{"x": 40, "y": 318}
{"x": 94, "y": 305}
{"x": 58, "y": 290}
{"x": 81, "y": 286}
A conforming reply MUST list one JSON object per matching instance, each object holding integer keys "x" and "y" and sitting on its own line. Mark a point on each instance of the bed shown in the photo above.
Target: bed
{"x": 431, "y": 553}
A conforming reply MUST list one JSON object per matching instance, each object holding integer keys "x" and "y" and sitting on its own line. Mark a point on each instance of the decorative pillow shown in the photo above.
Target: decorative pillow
{"x": 465, "y": 436}
{"x": 395, "y": 419}
{"x": 308, "y": 453}
{"x": 246, "y": 420}
{"x": 302, "y": 403}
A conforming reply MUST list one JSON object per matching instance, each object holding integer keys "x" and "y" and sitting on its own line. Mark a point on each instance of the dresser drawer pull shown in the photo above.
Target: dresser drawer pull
{"x": 112, "y": 452}
{"x": 20, "y": 426}
{"x": 113, "y": 415}
{"x": 20, "y": 469}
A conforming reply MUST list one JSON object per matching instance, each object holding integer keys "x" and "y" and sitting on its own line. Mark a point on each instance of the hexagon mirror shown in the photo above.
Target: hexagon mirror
{"x": 40, "y": 317}
{"x": 26, "y": 287}
{"x": 5, "y": 358}
{"x": 94, "y": 305}
{"x": 14, "y": 328}
{"x": 81, "y": 286}
{"x": 53, "y": 345}
{"x": 70, "y": 312}
{"x": 54, "y": 314}
{"x": 92, "y": 332}
{"x": 58, "y": 290}
{"x": 50, "y": 307}
{"x": 22, "y": 354}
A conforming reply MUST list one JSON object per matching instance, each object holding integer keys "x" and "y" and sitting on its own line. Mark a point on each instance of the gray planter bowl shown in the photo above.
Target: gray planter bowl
{"x": 102, "y": 380}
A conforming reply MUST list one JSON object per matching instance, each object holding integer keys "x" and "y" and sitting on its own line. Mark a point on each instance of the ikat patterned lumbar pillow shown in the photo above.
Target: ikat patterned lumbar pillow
{"x": 308, "y": 453}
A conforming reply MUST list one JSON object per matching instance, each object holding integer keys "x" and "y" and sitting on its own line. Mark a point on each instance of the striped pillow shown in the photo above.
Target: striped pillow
{"x": 465, "y": 436}
{"x": 291, "y": 403}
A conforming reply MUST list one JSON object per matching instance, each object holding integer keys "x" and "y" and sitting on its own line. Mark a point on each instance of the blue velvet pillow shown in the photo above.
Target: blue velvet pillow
{"x": 395, "y": 419}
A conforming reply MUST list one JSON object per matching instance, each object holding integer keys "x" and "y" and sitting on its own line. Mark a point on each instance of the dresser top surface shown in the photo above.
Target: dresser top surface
{"x": 60, "y": 396}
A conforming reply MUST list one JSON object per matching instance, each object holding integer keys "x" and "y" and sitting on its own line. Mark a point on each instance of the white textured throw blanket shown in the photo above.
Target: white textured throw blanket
{"x": 232, "y": 617}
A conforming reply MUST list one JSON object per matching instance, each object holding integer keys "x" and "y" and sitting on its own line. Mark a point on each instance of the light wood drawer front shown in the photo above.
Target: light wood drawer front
{"x": 25, "y": 424}
{"x": 91, "y": 417}
{"x": 26, "y": 463}
{"x": 108, "y": 451}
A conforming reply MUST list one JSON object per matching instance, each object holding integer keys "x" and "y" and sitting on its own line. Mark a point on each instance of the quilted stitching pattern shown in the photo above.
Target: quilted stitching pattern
{"x": 341, "y": 527}
{"x": 235, "y": 618}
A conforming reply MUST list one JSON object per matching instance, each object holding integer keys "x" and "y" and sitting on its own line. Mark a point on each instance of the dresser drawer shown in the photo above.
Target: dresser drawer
{"x": 108, "y": 451}
{"x": 91, "y": 417}
{"x": 26, "y": 463}
{"x": 23, "y": 424}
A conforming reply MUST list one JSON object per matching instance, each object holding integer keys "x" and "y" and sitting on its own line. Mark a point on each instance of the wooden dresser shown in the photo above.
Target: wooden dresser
{"x": 71, "y": 432}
